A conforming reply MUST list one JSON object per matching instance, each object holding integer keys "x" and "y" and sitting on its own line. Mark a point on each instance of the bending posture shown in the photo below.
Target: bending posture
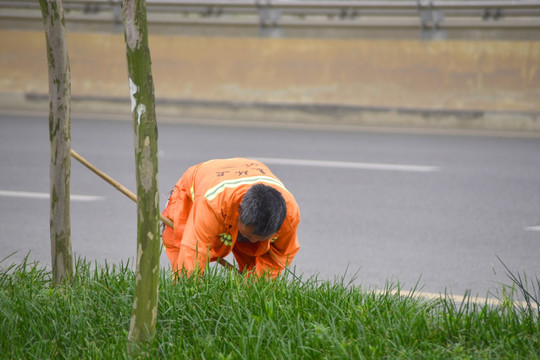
{"x": 234, "y": 205}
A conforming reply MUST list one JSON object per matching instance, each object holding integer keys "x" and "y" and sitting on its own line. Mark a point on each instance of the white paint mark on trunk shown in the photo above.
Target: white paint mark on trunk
{"x": 141, "y": 109}
{"x": 133, "y": 89}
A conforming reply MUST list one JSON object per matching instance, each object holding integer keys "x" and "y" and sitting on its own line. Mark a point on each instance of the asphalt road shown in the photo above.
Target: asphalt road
{"x": 434, "y": 210}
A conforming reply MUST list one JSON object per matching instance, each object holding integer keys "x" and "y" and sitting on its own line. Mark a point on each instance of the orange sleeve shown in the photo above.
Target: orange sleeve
{"x": 281, "y": 254}
{"x": 200, "y": 235}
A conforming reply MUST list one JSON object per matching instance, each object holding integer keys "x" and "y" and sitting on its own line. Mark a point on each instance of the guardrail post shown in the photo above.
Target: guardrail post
{"x": 90, "y": 8}
{"x": 430, "y": 19}
{"x": 116, "y": 7}
{"x": 348, "y": 13}
{"x": 488, "y": 13}
{"x": 268, "y": 19}
{"x": 214, "y": 11}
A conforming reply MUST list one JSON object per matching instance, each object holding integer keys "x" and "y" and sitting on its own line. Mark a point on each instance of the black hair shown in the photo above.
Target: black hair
{"x": 264, "y": 208}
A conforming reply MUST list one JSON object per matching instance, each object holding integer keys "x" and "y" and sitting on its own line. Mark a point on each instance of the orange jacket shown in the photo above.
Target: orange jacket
{"x": 204, "y": 209}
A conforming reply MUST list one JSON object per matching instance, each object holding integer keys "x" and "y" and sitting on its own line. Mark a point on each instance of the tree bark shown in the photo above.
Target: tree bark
{"x": 60, "y": 138}
{"x": 145, "y": 301}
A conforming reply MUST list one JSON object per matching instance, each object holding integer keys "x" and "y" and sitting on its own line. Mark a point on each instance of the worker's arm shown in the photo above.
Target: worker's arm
{"x": 282, "y": 251}
{"x": 200, "y": 235}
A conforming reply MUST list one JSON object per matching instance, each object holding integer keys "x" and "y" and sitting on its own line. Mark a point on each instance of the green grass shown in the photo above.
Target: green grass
{"x": 224, "y": 316}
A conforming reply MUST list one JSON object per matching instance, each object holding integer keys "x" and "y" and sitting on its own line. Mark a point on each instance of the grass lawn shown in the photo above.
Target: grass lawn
{"x": 224, "y": 316}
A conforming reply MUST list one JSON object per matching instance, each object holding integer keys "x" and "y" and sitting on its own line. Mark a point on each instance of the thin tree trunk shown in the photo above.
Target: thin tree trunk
{"x": 145, "y": 301}
{"x": 60, "y": 138}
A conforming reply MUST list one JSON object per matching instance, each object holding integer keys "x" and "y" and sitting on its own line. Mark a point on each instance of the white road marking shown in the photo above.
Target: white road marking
{"x": 38, "y": 195}
{"x": 533, "y": 228}
{"x": 349, "y": 165}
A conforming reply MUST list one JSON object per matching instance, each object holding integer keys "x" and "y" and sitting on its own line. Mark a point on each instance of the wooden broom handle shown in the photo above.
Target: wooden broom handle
{"x": 130, "y": 194}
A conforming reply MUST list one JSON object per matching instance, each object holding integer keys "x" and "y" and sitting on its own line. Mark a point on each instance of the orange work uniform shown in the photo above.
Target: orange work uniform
{"x": 204, "y": 207}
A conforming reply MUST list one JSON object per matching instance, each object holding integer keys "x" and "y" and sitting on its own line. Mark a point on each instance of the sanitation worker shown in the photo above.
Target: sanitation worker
{"x": 231, "y": 205}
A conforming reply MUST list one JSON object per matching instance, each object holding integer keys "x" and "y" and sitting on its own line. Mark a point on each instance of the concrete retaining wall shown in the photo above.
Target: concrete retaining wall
{"x": 495, "y": 76}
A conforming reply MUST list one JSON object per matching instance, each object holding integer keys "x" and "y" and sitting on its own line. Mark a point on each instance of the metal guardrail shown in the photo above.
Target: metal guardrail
{"x": 430, "y": 17}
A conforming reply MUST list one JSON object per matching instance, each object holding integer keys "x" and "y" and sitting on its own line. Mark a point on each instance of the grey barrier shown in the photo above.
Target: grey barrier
{"x": 432, "y": 18}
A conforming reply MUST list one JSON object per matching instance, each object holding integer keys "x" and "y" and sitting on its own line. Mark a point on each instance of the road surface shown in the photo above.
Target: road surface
{"x": 377, "y": 207}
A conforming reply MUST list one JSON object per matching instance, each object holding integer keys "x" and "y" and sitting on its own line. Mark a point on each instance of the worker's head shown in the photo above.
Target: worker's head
{"x": 262, "y": 212}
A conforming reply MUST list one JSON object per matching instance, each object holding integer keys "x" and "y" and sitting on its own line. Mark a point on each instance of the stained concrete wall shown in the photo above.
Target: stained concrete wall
{"x": 408, "y": 74}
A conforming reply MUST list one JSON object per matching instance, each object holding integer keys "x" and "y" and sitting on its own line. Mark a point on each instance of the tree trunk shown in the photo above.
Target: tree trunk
{"x": 60, "y": 138}
{"x": 145, "y": 301}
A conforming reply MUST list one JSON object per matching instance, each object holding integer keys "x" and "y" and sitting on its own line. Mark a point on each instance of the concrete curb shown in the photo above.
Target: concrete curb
{"x": 323, "y": 116}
